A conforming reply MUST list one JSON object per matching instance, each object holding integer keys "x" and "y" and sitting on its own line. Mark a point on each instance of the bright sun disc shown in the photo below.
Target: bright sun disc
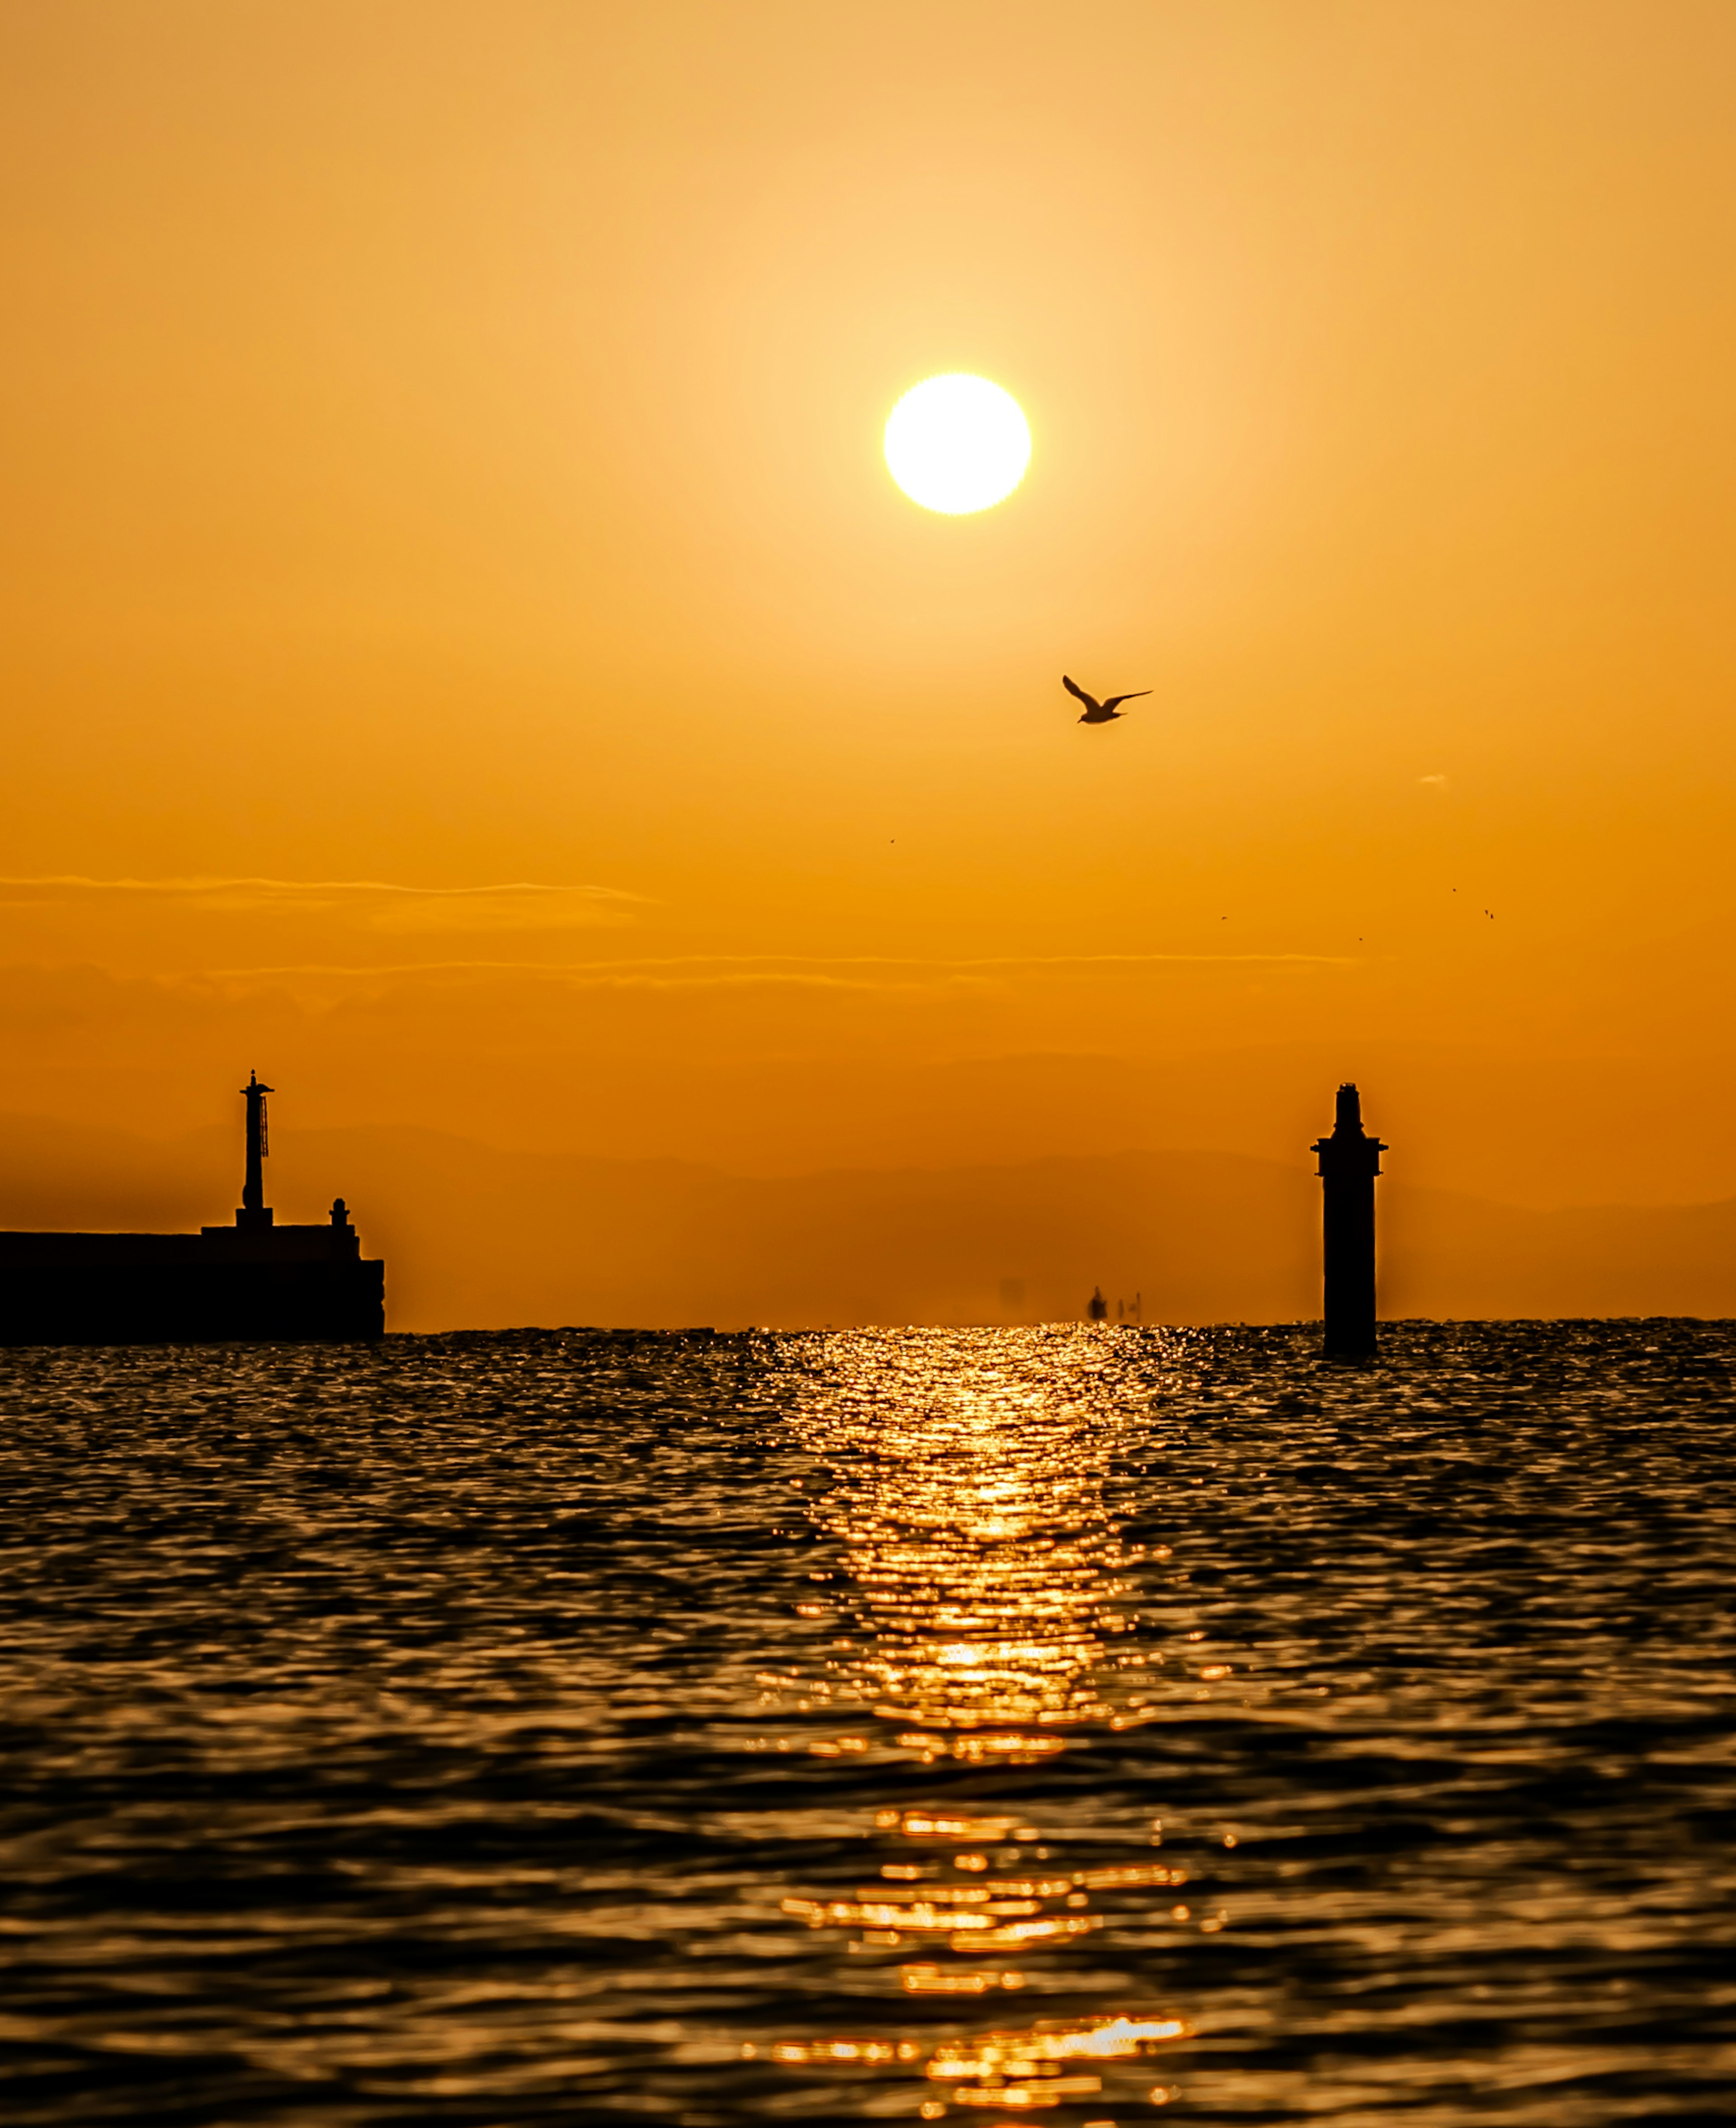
{"x": 957, "y": 443}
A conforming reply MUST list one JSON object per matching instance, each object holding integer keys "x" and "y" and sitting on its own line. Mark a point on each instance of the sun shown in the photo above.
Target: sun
{"x": 957, "y": 443}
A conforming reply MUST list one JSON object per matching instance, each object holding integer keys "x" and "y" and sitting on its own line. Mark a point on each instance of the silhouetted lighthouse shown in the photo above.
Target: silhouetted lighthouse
{"x": 254, "y": 1211}
{"x": 1350, "y": 1160}
{"x": 255, "y": 1280}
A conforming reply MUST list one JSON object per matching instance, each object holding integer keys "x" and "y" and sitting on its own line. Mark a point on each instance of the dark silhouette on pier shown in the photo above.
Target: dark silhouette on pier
{"x": 255, "y": 1212}
{"x": 254, "y": 1281}
{"x": 1097, "y": 712}
{"x": 1350, "y": 1160}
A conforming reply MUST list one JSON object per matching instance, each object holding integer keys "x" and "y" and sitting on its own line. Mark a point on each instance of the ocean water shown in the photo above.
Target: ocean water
{"x": 1074, "y": 1726}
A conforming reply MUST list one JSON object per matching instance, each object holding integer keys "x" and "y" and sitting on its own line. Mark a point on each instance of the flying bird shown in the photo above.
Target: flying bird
{"x": 1097, "y": 712}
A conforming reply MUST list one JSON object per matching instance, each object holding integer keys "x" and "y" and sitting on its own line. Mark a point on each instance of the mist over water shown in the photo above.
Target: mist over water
{"x": 1071, "y": 1725}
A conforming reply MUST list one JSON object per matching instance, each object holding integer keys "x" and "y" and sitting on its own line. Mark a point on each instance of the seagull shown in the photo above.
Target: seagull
{"x": 1097, "y": 712}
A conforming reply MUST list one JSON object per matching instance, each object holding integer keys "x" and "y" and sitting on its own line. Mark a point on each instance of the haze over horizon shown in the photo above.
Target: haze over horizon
{"x": 465, "y": 659}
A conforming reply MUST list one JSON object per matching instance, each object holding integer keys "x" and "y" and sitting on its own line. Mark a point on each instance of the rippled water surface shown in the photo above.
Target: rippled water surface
{"x": 1061, "y": 1725}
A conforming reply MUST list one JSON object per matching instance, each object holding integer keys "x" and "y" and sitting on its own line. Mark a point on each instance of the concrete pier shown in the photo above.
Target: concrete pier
{"x": 255, "y": 1280}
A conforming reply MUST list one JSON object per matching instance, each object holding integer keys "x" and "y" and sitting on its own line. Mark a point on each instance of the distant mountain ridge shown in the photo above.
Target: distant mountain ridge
{"x": 477, "y": 1237}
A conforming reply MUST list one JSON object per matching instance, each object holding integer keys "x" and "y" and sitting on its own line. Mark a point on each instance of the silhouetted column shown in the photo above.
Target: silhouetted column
{"x": 254, "y": 1211}
{"x": 1350, "y": 1160}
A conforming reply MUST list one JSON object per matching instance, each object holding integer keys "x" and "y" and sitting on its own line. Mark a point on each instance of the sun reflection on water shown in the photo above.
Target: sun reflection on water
{"x": 982, "y": 1622}
{"x": 982, "y": 1585}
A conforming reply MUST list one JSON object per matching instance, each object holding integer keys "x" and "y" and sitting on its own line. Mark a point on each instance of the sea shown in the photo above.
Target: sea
{"x": 1074, "y": 1725}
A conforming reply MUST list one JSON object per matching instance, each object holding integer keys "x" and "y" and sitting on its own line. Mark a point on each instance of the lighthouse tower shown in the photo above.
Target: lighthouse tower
{"x": 254, "y": 1281}
{"x": 255, "y": 1212}
{"x": 1350, "y": 1160}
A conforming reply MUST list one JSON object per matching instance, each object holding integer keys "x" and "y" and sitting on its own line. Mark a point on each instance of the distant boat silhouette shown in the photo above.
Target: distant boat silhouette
{"x": 1097, "y": 712}
{"x": 1097, "y": 1308}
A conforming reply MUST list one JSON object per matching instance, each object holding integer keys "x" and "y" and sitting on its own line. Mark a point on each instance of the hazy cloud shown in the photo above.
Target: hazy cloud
{"x": 373, "y": 904}
{"x": 863, "y": 971}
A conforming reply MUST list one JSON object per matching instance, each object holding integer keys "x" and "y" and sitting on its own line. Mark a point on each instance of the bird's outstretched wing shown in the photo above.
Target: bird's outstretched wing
{"x": 1115, "y": 700}
{"x": 1078, "y": 694}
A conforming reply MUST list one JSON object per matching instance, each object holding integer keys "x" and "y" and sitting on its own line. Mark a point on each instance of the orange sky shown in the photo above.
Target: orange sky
{"x": 442, "y": 452}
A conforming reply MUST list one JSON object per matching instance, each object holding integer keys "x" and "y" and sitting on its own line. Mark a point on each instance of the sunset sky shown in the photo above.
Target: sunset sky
{"x": 465, "y": 657}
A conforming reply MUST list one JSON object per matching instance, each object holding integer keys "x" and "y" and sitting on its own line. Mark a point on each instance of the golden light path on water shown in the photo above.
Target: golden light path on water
{"x": 982, "y": 1564}
{"x": 981, "y": 1624}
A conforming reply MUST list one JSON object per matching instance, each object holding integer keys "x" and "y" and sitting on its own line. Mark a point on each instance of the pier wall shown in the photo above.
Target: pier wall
{"x": 287, "y": 1283}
